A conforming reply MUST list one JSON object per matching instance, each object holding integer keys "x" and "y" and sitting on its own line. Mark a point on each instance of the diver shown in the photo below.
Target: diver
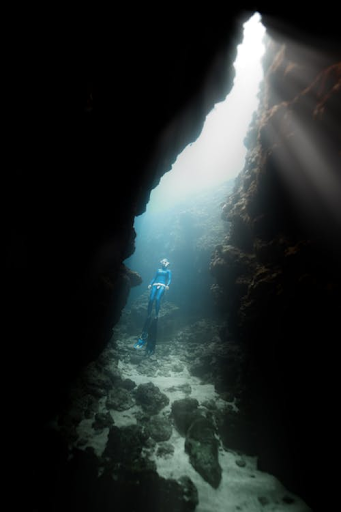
{"x": 158, "y": 285}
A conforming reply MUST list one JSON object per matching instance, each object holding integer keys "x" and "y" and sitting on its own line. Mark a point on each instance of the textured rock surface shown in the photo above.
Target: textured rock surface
{"x": 150, "y": 398}
{"x": 202, "y": 448}
{"x": 278, "y": 272}
{"x": 159, "y": 428}
{"x": 108, "y": 452}
{"x": 185, "y": 412}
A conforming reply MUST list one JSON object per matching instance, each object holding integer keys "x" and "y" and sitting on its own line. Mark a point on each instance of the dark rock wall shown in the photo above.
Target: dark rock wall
{"x": 278, "y": 272}
{"x": 97, "y": 108}
{"x": 96, "y": 116}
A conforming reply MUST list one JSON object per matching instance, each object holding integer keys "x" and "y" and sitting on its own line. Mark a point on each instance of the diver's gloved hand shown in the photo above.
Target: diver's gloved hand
{"x": 167, "y": 287}
{"x": 149, "y": 286}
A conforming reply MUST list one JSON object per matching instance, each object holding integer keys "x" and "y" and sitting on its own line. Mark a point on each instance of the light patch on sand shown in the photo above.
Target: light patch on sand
{"x": 242, "y": 488}
{"x": 174, "y": 383}
{"x": 125, "y": 418}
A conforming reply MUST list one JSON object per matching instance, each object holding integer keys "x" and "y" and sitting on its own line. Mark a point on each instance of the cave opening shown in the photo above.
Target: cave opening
{"x": 167, "y": 423}
{"x": 88, "y": 428}
{"x": 182, "y": 220}
{"x": 181, "y": 374}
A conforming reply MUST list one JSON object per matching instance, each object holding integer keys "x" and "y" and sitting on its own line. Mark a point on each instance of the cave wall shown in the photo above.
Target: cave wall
{"x": 278, "y": 271}
{"x": 96, "y": 116}
{"x": 97, "y": 106}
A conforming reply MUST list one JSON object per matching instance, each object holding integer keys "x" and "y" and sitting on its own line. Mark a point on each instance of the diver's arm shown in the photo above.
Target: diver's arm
{"x": 153, "y": 280}
{"x": 169, "y": 279}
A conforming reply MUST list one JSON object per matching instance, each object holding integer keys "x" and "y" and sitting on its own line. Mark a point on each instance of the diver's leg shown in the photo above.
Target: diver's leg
{"x": 150, "y": 348}
{"x": 144, "y": 335}
{"x": 159, "y": 295}
{"x": 151, "y": 300}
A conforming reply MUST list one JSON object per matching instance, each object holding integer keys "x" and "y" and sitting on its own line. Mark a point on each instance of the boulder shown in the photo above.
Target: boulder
{"x": 202, "y": 447}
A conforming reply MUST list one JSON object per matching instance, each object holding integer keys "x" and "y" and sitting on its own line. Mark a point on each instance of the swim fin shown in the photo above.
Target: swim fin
{"x": 141, "y": 341}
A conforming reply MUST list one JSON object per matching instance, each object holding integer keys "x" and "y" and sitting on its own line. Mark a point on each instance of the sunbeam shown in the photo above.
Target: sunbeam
{"x": 304, "y": 149}
{"x": 218, "y": 154}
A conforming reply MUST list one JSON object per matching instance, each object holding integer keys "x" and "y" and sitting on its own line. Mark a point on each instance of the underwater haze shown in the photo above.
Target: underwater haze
{"x": 182, "y": 359}
{"x": 155, "y": 423}
{"x": 185, "y": 234}
{"x": 182, "y": 221}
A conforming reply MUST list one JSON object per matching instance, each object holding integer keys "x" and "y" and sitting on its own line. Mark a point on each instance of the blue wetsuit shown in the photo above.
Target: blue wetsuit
{"x": 158, "y": 285}
{"x": 162, "y": 278}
